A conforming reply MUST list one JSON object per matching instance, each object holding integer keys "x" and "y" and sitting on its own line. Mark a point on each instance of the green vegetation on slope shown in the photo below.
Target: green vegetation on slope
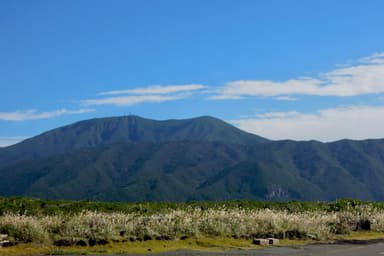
{"x": 125, "y": 129}
{"x": 135, "y": 159}
{"x": 277, "y": 171}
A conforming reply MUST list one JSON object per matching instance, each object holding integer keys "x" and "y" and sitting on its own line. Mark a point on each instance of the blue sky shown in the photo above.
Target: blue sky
{"x": 282, "y": 69}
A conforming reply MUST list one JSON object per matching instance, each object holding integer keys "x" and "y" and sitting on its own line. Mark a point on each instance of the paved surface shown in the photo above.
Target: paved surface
{"x": 310, "y": 250}
{"x": 366, "y": 249}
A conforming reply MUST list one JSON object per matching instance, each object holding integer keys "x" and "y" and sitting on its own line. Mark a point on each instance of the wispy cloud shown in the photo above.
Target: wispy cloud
{"x": 285, "y": 98}
{"x": 32, "y": 114}
{"x": 376, "y": 58}
{"x": 225, "y": 96}
{"x": 365, "y": 77}
{"x": 149, "y": 94}
{"x": 132, "y": 100}
{"x": 7, "y": 141}
{"x": 157, "y": 89}
{"x": 355, "y": 122}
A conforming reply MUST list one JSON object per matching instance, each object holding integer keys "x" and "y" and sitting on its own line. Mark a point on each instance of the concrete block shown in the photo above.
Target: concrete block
{"x": 273, "y": 241}
{"x": 260, "y": 241}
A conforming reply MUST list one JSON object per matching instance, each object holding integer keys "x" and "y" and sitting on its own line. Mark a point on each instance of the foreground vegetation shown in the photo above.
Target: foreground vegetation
{"x": 64, "y": 223}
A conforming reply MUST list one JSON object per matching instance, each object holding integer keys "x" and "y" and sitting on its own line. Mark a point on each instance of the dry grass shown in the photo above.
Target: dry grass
{"x": 190, "y": 222}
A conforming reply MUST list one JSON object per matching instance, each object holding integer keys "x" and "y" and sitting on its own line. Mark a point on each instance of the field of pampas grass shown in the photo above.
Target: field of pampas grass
{"x": 87, "y": 227}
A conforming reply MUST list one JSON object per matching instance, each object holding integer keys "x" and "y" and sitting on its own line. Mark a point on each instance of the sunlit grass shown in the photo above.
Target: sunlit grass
{"x": 190, "y": 227}
{"x": 188, "y": 223}
{"x": 362, "y": 235}
{"x": 214, "y": 244}
{"x": 153, "y": 246}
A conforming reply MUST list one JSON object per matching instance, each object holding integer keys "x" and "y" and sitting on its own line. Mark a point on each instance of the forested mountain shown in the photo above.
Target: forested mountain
{"x": 135, "y": 159}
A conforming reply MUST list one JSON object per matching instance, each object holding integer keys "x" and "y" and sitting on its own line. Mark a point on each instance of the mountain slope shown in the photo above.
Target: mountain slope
{"x": 135, "y": 159}
{"x": 94, "y": 132}
{"x": 180, "y": 171}
{"x": 124, "y": 171}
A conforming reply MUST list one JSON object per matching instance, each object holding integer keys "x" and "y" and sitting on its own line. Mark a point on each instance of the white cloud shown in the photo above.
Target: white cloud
{"x": 286, "y": 98}
{"x": 225, "y": 97}
{"x": 376, "y": 58}
{"x": 365, "y": 77}
{"x": 32, "y": 114}
{"x": 132, "y": 100}
{"x": 157, "y": 89}
{"x": 356, "y": 122}
{"x": 156, "y": 93}
{"x": 243, "y": 88}
{"x": 7, "y": 141}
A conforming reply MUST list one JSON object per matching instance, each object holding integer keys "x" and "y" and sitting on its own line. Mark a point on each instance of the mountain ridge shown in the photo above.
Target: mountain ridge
{"x": 101, "y": 131}
{"x": 181, "y": 160}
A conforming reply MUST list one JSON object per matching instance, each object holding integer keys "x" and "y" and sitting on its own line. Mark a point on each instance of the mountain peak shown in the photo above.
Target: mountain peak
{"x": 125, "y": 129}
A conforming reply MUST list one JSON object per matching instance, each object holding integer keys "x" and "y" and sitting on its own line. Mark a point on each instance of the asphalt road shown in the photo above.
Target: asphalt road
{"x": 310, "y": 250}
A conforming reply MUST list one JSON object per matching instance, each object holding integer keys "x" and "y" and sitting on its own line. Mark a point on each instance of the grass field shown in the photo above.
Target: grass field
{"x": 65, "y": 227}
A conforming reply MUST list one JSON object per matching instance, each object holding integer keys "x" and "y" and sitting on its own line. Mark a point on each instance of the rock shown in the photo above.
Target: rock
{"x": 92, "y": 242}
{"x": 81, "y": 243}
{"x": 363, "y": 224}
{"x": 292, "y": 234}
{"x": 3, "y": 236}
{"x": 312, "y": 237}
{"x": 260, "y": 241}
{"x": 102, "y": 241}
{"x": 273, "y": 241}
{"x": 63, "y": 242}
{"x": 163, "y": 237}
{"x": 147, "y": 237}
{"x": 7, "y": 243}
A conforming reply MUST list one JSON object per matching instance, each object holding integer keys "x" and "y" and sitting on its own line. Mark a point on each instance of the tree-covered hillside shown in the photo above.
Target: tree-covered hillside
{"x": 135, "y": 159}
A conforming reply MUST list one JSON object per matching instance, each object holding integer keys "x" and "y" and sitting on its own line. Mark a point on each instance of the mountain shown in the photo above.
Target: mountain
{"x": 128, "y": 171}
{"x": 103, "y": 131}
{"x": 135, "y": 159}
